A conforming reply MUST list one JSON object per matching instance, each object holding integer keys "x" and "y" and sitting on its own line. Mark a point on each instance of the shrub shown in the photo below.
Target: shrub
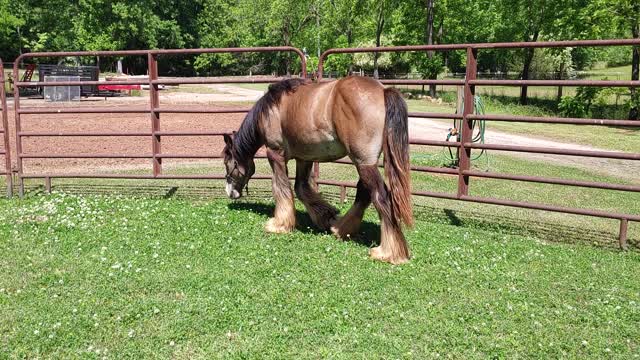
{"x": 572, "y": 106}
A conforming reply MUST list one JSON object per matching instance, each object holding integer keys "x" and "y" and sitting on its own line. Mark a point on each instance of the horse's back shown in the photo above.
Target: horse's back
{"x": 327, "y": 121}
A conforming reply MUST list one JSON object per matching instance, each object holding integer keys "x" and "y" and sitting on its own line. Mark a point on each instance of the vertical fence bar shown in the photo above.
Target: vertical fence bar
{"x": 5, "y": 133}
{"x": 466, "y": 128}
{"x": 316, "y": 165}
{"x": 154, "y": 101}
{"x": 622, "y": 236}
{"x": 16, "y": 110}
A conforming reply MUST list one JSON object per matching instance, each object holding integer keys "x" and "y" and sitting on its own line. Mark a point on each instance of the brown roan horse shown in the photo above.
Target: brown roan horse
{"x": 355, "y": 117}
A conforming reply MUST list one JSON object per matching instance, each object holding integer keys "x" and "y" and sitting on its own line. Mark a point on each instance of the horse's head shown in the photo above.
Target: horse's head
{"x": 239, "y": 171}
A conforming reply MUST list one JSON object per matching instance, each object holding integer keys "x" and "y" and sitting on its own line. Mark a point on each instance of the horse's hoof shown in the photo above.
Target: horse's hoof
{"x": 341, "y": 230}
{"x": 273, "y": 227}
{"x": 345, "y": 227}
{"x": 337, "y": 232}
{"x": 326, "y": 222}
{"x": 377, "y": 253}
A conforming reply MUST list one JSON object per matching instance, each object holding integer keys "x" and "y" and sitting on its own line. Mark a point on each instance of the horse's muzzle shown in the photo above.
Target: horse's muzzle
{"x": 232, "y": 193}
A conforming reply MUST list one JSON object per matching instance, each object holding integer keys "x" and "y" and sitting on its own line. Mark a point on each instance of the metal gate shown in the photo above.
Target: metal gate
{"x": 154, "y": 135}
{"x": 464, "y": 173}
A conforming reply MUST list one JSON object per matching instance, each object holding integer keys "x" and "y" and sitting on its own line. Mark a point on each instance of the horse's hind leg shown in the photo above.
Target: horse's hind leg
{"x": 393, "y": 246}
{"x": 322, "y": 214}
{"x": 349, "y": 224}
{"x": 284, "y": 219}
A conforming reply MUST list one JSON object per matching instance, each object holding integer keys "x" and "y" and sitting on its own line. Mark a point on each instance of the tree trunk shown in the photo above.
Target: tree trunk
{"x": 287, "y": 42}
{"x": 528, "y": 59}
{"x": 429, "y": 37}
{"x": 559, "y": 77}
{"x": 349, "y": 41}
{"x": 634, "y": 112}
{"x": 379, "y": 28}
{"x": 318, "y": 30}
{"x": 19, "y": 41}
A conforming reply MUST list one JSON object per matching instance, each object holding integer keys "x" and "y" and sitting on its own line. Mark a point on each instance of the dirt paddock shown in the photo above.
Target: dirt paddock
{"x": 125, "y": 145}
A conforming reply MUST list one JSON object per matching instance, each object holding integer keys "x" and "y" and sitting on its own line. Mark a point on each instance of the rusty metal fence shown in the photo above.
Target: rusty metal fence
{"x": 464, "y": 173}
{"x": 154, "y": 109}
{"x": 5, "y": 151}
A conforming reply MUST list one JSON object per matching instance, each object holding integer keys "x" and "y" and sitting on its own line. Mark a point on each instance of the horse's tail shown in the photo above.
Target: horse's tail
{"x": 397, "y": 168}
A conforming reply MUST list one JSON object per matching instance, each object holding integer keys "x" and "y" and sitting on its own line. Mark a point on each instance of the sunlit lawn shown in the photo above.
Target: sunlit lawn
{"x": 121, "y": 277}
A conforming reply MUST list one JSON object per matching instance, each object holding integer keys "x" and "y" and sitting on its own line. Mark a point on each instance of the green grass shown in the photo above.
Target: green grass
{"x": 261, "y": 87}
{"x": 93, "y": 276}
{"x": 555, "y": 227}
{"x": 611, "y": 73}
{"x": 195, "y": 89}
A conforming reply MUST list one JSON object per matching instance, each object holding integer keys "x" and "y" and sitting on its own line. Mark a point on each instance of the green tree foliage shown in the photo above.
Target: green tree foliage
{"x": 316, "y": 25}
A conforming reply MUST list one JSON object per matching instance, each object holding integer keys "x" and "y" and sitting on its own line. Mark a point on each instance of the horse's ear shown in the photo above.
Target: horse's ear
{"x": 228, "y": 140}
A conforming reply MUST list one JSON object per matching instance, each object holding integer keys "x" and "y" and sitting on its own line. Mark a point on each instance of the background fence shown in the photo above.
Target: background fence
{"x": 464, "y": 172}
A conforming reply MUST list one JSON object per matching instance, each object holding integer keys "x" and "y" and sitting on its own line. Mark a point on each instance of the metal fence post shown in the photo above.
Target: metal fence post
{"x": 316, "y": 165}
{"x": 622, "y": 236}
{"x": 16, "y": 110}
{"x": 154, "y": 101}
{"x": 5, "y": 133}
{"x": 466, "y": 129}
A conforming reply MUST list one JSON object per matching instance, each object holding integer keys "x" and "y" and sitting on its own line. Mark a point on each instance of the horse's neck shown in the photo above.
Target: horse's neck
{"x": 251, "y": 139}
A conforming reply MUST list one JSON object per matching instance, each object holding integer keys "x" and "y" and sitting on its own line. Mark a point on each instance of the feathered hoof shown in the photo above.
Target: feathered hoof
{"x": 272, "y": 226}
{"x": 343, "y": 229}
{"x": 324, "y": 221}
{"x": 377, "y": 253}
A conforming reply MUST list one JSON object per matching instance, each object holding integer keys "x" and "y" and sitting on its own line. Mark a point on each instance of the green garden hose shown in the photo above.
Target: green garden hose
{"x": 477, "y": 137}
{"x": 447, "y": 157}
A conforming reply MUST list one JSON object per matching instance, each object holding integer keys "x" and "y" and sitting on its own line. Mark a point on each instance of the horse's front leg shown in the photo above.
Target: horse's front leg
{"x": 350, "y": 223}
{"x": 284, "y": 219}
{"x": 322, "y": 214}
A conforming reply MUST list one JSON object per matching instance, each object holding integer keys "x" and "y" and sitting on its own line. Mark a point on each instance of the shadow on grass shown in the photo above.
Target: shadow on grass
{"x": 545, "y": 231}
{"x": 368, "y": 236}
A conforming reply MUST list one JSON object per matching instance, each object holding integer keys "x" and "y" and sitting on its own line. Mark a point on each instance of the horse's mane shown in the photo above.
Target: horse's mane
{"x": 248, "y": 139}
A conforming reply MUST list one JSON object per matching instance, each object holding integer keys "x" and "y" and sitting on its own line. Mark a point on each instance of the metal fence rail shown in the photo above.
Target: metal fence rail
{"x": 5, "y": 150}
{"x": 464, "y": 173}
{"x": 154, "y": 109}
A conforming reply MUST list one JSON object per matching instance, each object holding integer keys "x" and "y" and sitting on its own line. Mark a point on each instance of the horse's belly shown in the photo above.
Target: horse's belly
{"x": 323, "y": 151}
